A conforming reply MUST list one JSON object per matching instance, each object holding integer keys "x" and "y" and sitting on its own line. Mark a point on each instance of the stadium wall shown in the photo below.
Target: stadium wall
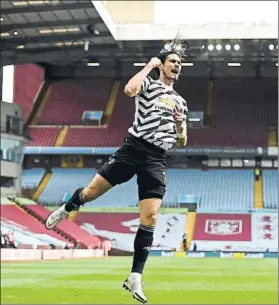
{"x": 36, "y": 254}
{"x": 10, "y": 110}
{"x": 13, "y": 171}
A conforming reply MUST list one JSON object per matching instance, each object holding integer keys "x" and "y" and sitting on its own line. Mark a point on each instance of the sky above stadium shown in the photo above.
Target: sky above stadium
{"x": 181, "y": 12}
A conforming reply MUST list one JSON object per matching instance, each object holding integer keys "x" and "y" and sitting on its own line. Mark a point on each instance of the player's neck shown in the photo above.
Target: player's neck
{"x": 166, "y": 81}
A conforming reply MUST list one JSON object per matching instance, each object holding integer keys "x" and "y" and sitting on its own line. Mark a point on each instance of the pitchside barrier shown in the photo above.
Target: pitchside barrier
{"x": 36, "y": 254}
{"x": 234, "y": 255}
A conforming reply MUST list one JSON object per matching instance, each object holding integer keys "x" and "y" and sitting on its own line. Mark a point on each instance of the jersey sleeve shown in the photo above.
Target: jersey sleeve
{"x": 145, "y": 84}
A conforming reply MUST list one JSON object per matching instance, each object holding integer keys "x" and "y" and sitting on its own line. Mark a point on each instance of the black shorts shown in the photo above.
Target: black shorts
{"x": 138, "y": 157}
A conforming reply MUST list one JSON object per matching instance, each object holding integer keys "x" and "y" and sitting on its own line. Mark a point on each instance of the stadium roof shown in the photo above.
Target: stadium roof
{"x": 50, "y": 31}
{"x": 75, "y": 32}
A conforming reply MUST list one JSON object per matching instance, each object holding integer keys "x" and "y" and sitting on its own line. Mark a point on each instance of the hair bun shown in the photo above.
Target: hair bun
{"x": 177, "y": 46}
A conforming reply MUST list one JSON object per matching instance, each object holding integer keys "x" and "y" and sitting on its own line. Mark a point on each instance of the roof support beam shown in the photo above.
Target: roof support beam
{"x": 14, "y": 42}
{"x": 103, "y": 49}
{"x": 46, "y": 8}
{"x": 61, "y": 23}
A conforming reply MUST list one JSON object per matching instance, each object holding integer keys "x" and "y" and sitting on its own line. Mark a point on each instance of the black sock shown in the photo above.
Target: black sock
{"x": 75, "y": 201}
{"x": 142, "y": 245}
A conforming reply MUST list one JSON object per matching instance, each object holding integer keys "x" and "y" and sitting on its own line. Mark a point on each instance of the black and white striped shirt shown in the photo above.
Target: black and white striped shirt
{"x": 153, "y": 120}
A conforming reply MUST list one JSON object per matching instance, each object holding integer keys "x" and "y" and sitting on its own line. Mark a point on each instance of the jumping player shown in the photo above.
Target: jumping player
{"x": 160, "y": 122}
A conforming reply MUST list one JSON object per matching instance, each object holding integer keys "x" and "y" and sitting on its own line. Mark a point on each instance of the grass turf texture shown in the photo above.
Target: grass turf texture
{"x": 167, "y": 281}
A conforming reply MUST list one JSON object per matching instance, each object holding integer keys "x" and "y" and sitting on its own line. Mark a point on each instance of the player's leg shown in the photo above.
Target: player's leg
{"x": 118, "y": 169}
{"x": 144, "y": 238}
{"x": 151, "y": 181}
{"x": 97, "y": 187}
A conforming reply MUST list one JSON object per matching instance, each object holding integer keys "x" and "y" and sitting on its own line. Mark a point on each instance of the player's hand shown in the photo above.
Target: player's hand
{"x": 155, "y": 62}
{"x": 178, "y": 119}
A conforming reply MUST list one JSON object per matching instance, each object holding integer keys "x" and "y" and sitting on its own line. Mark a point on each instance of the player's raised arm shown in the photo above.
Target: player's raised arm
{"x": 136, "y": 84}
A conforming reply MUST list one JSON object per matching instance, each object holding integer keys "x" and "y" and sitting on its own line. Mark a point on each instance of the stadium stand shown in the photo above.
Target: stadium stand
{"x": 67, "y": 227}
{"x": 195, "y": 92}
{"x": 68, "y": 100}
{"x": 25, "y": 239}
{"x": 218, "y": 189}
{"x": 234, "y": 99}
{"x": 270, "y": 188}
{"x": 20, "y": 217}
{"x": 65, "y": 180}
{"x": 227, "y": 137}
{"x": 121, "y": 119}
{"x": 66, "y": 65}
{"x": 231, "y": 112}
{"x": 43, "y": 136}
{"x": 31, "y": 178}
{"x": 94, "y": 137}
{"x": 28, "y": 81}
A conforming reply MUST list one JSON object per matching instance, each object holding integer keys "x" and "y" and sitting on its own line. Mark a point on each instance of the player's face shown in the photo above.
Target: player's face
{"x": 172, "y": 66}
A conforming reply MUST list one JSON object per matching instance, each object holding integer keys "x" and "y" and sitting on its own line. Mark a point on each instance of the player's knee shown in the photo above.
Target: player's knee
{"x": 153, "y": 219}
{"x": 90, "y": 193}
{"x": 149, "y": 219}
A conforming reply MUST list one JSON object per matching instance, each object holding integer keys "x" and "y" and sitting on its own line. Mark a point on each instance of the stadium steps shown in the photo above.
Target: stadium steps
{"x": 37, "y": 102}
{"x": 42, "y": 186}
{"x": 61, "y": 136}
{"x": 190, "y": 227}
{"x": 34, "y": 221}
{"x": 258, "y": 190}
{"x": 272, "y": 138}
{"x": 208, "y": 105}
{"x": 42, "y": 99}
{"x": 28, "y": 209}
{"x": 111, "y": 102}
{"x": 67, "y": 228}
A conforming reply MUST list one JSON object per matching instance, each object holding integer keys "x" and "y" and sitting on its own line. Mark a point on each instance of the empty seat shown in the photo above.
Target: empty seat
{"x": 270, "y": 188}
{"x": 28, "y": 81}
{"x": 31, "y": 178}
{"x": 218, "y": 189}
{"x": 65, "y": 180}
{"x": 68, "y": 100}
{"x": 43, "y": 136}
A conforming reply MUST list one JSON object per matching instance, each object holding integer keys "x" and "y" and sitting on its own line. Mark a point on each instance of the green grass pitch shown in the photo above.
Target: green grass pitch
{"x": 166, "y": 281}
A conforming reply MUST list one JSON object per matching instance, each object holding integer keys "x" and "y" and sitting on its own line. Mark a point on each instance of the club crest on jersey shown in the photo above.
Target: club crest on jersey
{"x": 223, "y": 227}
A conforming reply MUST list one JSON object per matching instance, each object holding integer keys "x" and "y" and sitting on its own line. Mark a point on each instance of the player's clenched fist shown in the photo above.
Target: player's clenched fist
{"x": 155, "y": 62}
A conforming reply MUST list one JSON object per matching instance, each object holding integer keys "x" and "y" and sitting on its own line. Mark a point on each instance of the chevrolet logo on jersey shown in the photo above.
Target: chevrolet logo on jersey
{"x": 167, "y": 102}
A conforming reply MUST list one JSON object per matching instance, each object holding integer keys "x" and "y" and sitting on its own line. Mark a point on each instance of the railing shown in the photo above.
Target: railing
{"x": 15, "y": 129}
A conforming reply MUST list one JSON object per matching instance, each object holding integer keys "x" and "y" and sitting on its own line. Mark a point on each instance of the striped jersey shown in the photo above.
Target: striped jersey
{"x": 153, "y": 120}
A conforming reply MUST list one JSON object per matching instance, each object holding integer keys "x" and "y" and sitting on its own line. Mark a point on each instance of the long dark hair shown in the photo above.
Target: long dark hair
{"x": 176, "y": 46}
